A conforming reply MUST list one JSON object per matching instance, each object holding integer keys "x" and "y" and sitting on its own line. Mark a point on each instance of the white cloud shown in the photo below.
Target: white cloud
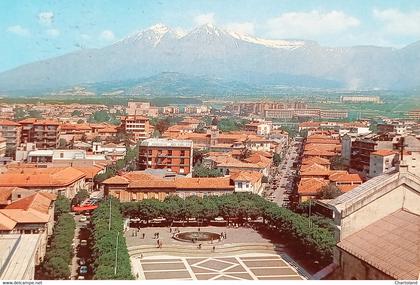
{"x": 53, "y": 32}
{"x": 203, "y": 19}
{"x": 310, "y": 24}
{"x": 241, "y": 28}
{"x": 107, "y": 35}
{"x": 396, "y": 22}
{"x": 46, "y": 18}
{"x": 18, "y": 30}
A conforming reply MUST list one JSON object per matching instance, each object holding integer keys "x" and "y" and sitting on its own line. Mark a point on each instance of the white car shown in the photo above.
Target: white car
{"x": 83, "y": 218}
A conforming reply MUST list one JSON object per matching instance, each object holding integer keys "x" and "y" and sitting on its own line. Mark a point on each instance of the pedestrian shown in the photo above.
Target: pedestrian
{"x": 170, "y": 230}
{"x": 157, "y": 242}
{"x": 214, "y": 248}
{"x": 144, "y": 235}
{"x": 198, "y": 229}
{"x": 199, "y": 246}
{"x": 157, "y": 235}
{"x": 132, "y": 234}
{"x": 141, "y": 255}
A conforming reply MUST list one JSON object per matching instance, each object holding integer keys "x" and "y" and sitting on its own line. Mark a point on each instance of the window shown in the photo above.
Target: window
{"x": 239, "y": 184}
{"x": 182, "y": 152}
{"x": 61, "y": 155}
{"x": 170, "y": 152}
{"x": 150, "y": 152}
{"x": 182, "y": 161}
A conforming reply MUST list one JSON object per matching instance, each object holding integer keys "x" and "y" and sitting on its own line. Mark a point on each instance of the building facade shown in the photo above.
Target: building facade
{"x": 44, "y": 133}
{"x": 11, "y": 131}
{"x": 174, "y": 155}
{"x": 135, "y": 126}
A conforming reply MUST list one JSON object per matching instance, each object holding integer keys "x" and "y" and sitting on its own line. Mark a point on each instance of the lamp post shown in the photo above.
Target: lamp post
{"x": 116, "y": 255}
{"x": 109, "y": 223}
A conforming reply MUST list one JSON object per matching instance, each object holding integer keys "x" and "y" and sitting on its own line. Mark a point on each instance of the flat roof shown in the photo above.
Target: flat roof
{"x": 166, "y": 142}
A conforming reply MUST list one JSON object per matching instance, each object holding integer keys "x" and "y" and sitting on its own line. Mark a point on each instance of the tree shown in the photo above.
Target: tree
{"x": 202, "y": 171}
{"x": 105, "y": 242}
{"x": 62, "y": 205}
{"x": 276, "y": 159}
{"x": 198, "y": 156}
{"x": 80, "y": 196}
{"x": 34, "y": 114}
{"x": 162, "y": 125}
{"x": 56, "y": 268}
{"x": 76, "y": 113}
{"x": 329, "y": 191}
{"x": 62, "y": 144}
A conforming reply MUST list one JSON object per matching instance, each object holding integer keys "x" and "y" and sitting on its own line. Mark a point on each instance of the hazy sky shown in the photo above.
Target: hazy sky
{"x": 36, "y": 29}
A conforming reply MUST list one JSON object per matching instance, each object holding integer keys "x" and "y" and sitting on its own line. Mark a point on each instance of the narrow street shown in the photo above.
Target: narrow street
{"x": 281, "y": 182}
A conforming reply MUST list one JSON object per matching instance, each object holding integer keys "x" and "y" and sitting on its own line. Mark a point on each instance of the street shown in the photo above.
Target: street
{"x": 281, "y": 180}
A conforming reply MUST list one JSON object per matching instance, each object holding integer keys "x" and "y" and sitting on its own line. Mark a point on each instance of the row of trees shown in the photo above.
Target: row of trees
{"x": 238, "y": 206}
{"x": 109, "y": 247}
{"x": 60, "y": 253}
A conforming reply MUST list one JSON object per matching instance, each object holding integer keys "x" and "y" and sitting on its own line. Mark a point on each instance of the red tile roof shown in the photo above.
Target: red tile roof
{"x": 311, "y": 186}
{"x": 37, "y": 202}
{"x": 252, "y": 176}
{"x": 345, "y": 177}
{"x": 40, "y": 177}
{"x": 390, "y": 245}
{"x": 8, "y": 123}
{"x": 6, "y": 223}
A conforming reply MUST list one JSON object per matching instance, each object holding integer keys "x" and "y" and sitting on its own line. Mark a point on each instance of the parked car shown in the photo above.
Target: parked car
{"x": 83, "y": 242}
{"x": 83, "y": 218}
{"x": 83, "y": 270}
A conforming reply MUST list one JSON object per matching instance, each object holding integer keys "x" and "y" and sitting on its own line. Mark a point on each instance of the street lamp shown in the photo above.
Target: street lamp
{"x": 116, "y": 254}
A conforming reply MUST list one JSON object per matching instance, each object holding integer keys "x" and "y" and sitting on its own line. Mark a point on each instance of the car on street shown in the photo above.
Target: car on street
{"x": 83, "y": 270}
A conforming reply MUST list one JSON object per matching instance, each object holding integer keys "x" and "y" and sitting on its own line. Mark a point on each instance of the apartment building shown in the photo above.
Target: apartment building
{"x": 174, "y": 155}
{"x": 10, "y": 131}
{"x": 142, "y": 109}
{"x": 44, "y": 133}
{"x": 361, "y": 150}
{"x": 260, "y": 128}
{"x": 361, "y": 99}
{"x": 135, "y": 126}
{"x": 382, "y": 161}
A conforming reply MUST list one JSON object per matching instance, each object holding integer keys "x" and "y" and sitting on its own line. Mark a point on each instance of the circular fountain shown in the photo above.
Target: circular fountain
{"x": 197, "y": 236}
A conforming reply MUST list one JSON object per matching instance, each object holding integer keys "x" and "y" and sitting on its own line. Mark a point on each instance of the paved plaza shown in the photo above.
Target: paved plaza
{"x": 244, "y": 255}
{"x": 233, "y": 235}
{"x": 244, "y": 267}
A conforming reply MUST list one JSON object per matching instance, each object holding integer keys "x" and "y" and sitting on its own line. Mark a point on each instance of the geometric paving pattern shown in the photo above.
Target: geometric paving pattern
{"x": 246, "y": 267}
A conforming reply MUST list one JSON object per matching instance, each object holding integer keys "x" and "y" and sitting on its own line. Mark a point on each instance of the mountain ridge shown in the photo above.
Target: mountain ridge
{"x": 216, "y": 53}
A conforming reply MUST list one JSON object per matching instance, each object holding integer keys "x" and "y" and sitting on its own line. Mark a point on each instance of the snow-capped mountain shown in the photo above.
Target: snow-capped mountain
{"x": 213, "y": 52}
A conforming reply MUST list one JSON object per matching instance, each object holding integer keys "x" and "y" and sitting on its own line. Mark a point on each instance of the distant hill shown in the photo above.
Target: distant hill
{"x": 212, "y": 59}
